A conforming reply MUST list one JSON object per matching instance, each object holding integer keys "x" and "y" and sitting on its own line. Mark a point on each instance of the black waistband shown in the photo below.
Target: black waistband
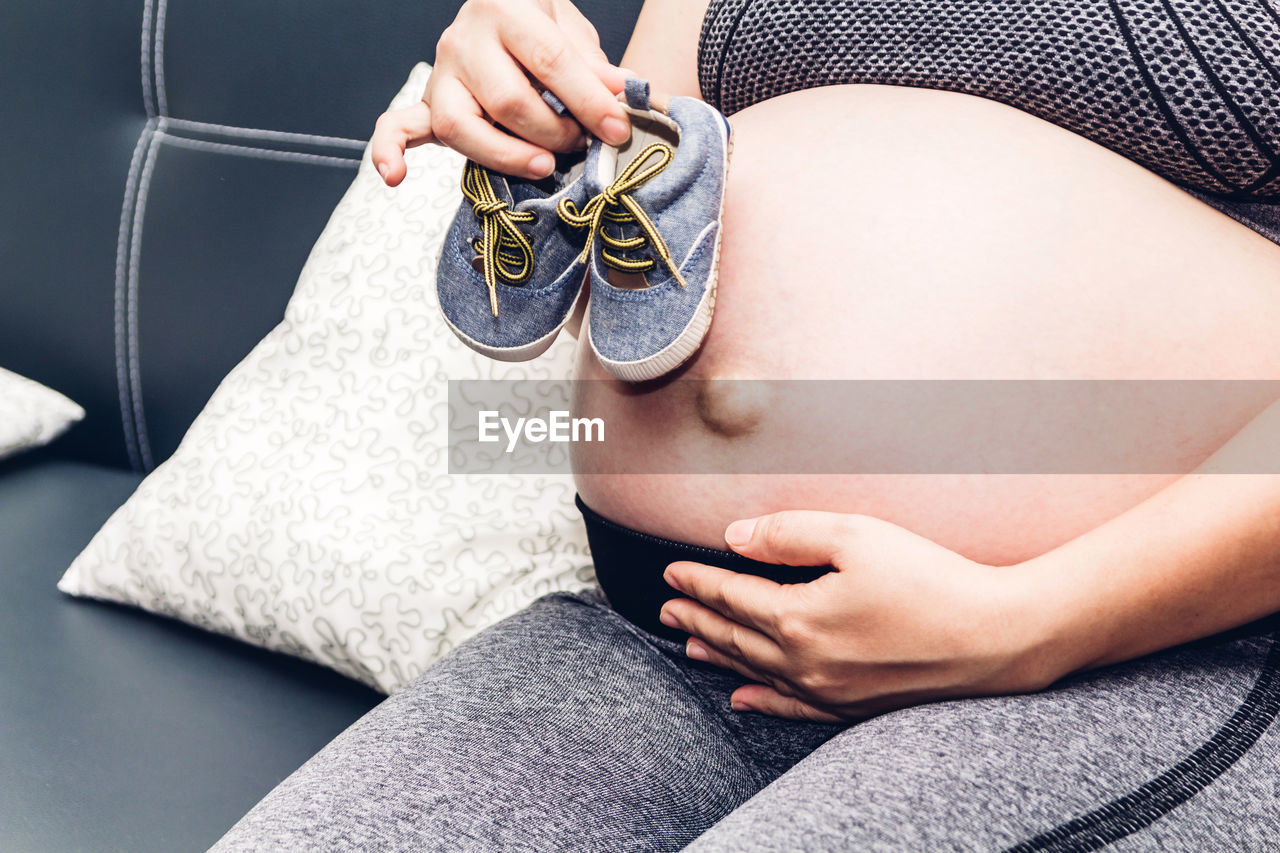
{"x": 629, "y": 566}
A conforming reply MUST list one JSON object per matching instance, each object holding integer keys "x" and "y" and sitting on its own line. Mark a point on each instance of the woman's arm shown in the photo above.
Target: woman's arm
{"x": 1199, "y": 557}
{"x": 903, "y": 620}
{"x": 664, "y": 45}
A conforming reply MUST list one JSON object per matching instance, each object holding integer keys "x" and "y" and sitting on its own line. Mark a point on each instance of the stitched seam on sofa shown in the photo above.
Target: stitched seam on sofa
{"x": 121, "y": 292}
{"x": 338, "y": 142}
{"x": 259, "y": 153}
{"x": 1141, "y": 808}
{"x": 162, "y": 99}
{"x": 148, "y": 94}
{"x": 157, "y": 98}
{"x": 131, "y": 301}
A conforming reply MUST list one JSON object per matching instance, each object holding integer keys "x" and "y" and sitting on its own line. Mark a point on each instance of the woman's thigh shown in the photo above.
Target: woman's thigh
{"x": 563, "y": 727}
{"x": 1178, "y": 751}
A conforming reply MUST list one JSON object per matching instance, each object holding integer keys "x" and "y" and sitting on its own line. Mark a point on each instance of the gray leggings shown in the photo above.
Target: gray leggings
{"x": 565, "y": 727}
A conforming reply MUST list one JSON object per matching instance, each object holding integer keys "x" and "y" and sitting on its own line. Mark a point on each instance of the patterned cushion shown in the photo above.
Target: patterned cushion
{"x": 31, "y": 414}
{"x": 309, "y": 508}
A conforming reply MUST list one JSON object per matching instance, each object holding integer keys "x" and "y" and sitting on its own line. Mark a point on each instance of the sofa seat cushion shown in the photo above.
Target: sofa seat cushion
{"x": 122, "y": 730}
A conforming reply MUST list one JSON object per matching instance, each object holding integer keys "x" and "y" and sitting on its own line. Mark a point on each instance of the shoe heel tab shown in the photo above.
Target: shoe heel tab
{"x": 639, "y": 99}
{"x": 636, "y": 92}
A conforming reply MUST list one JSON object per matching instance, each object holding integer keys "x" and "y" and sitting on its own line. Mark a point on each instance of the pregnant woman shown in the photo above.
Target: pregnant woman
{"x": 953, "y": 190}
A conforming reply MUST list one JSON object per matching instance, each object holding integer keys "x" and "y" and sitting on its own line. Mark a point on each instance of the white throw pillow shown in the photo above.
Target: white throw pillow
{"x": 309, "y": 509}
{"x": 31, "y": 414}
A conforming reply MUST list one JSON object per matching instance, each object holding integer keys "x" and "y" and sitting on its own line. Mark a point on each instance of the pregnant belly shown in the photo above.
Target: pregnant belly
{"x": 886, "y": 233}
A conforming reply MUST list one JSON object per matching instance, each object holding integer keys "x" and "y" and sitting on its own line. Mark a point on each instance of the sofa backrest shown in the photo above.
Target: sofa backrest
{"x": 168, "y": 165}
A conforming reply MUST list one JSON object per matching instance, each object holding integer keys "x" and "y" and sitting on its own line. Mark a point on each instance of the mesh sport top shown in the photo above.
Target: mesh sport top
{"x": 1190, "y": 89}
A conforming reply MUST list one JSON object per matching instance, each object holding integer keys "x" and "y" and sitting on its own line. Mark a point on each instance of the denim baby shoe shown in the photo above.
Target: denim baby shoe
{"x": 510, "y": 274}
{"x": 653, "y": 234}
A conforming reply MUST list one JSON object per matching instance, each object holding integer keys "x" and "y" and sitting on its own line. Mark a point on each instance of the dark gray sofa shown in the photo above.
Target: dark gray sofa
{"x": 147, "y": 241}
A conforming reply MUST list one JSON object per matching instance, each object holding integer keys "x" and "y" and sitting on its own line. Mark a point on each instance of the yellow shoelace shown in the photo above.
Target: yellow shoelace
{"x": 503, "y": 248}
{"x": 615, "y": 204}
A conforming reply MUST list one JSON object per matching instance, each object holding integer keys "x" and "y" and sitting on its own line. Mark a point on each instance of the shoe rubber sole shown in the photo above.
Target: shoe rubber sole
{"x": 524, "y": 352}
{"x": 690, "y": 338}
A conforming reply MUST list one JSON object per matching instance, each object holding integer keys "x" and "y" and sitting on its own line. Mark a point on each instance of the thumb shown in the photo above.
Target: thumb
{"x": 613, "y": 77}
{"x": 792, "y": 538}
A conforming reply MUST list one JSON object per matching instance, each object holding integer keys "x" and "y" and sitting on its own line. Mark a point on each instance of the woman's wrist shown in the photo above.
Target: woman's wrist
{"x": 1059, "y": 629}
{"x": 1200, "y": 557}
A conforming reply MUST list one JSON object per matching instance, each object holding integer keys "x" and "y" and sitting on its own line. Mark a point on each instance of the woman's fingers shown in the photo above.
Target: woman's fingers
{"x": 698, "y": 650}
{"x": 731, "y": 639}
{"x": 793, "y": 537}
{"x": 584, "y": 36}
{"x": 766, "y": 700}
{"x": 484, "y": 62}
{"x": 579, "y": 29}
{"x": 511, "y": 100}
{"x": 546, "y": 52}
{"x": 456, "y": 121}
{"x": 394, "y": 132}
{"x": 613, "y": 77}
{"x": 748, "y": 599}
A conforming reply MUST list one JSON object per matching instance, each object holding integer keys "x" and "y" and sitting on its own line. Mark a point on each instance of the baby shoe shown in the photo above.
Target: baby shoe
{"x": 653, "y": 234}
{"x": 510, "y": 273}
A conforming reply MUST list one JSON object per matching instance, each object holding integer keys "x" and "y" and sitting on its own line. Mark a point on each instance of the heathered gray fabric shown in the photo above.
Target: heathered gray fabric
{"x": 1238, "y": 812}
{"x": 567, "y": 728}
{"x": 988, "y": 774}
{"x": 563, "y": 727}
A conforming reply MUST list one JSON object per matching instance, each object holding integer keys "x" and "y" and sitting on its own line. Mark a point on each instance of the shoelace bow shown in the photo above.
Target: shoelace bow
{"x": 504, "y": 250}
{"x": 615, "y": 204}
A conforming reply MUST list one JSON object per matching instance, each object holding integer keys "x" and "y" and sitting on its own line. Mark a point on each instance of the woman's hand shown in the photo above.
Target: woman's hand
{"x": 484, "y": 64}
{"x": 900, "y": 621}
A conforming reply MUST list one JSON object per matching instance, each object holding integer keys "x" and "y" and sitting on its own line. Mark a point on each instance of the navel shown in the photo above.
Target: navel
{"x": 732, "y": 407}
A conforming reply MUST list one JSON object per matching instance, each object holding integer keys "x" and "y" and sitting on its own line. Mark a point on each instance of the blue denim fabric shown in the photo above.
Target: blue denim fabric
{"x": 630, "y": 325}
{"x": 684, "y": 203}
{"x": 529, "y": 315}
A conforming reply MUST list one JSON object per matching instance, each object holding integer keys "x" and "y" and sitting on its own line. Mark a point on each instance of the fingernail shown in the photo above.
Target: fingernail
{"x": 739, "y": 533}
{"x": 665, "y": 617}
{"x": 739, "y": 705}
{"x": 670, "y": 578}
{"x": 383, "y": 168}
{"x": 695, "y": 650}
{"x": 615, "y": 130}
{"x": 542, "y": 165}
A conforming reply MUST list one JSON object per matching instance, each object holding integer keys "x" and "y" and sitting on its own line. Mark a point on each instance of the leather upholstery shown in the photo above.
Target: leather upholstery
{"x": 120, "y": 730}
